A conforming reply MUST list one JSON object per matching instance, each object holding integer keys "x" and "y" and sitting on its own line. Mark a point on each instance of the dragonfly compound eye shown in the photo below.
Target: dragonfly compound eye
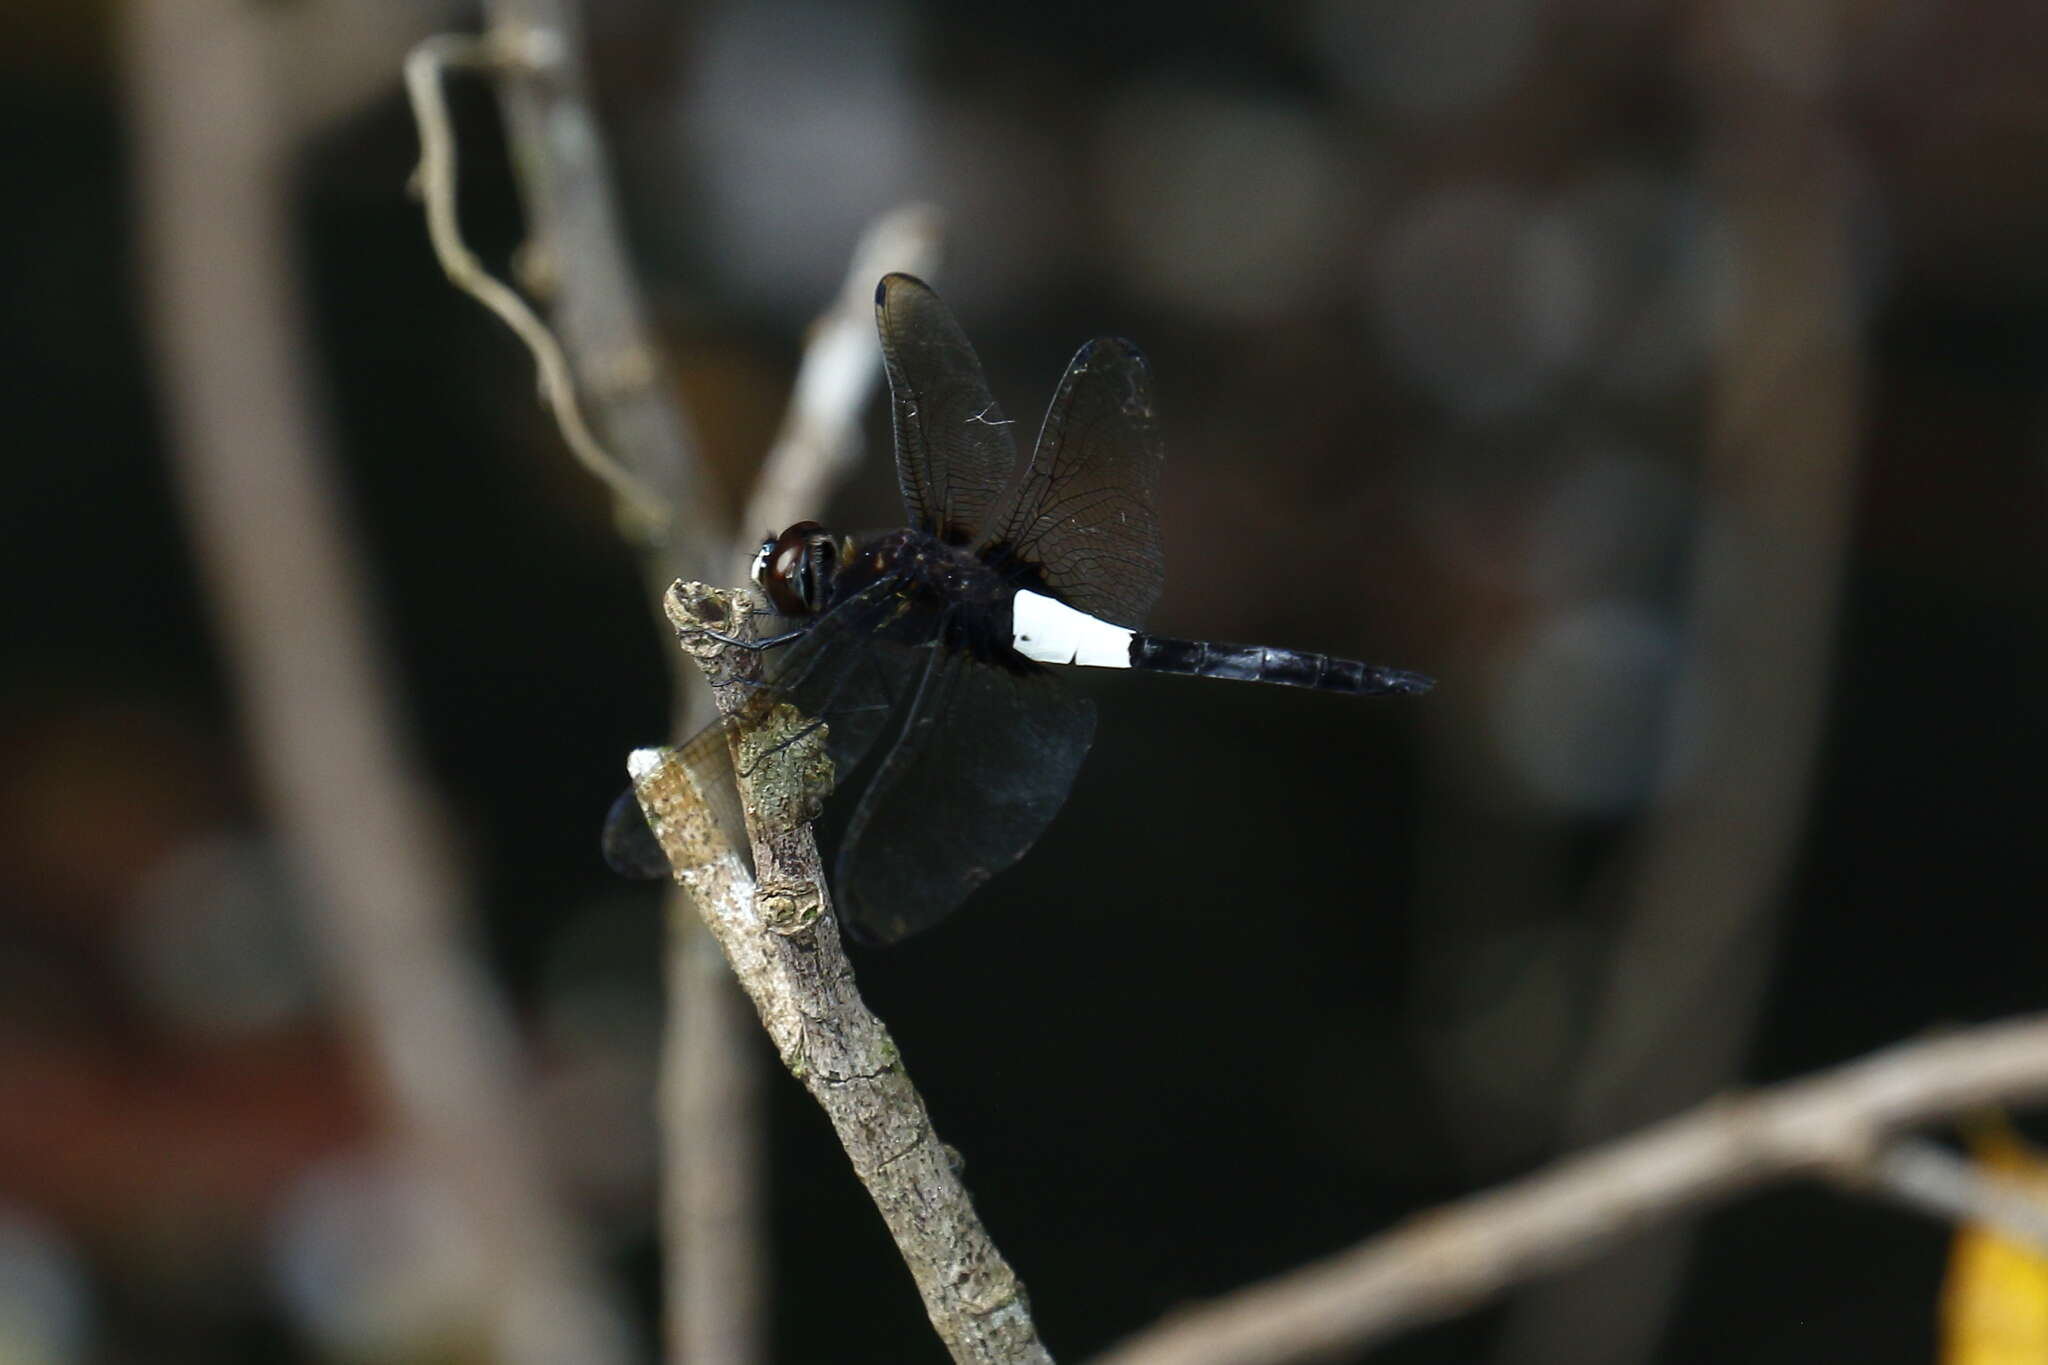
{"x": 790, "y": 574}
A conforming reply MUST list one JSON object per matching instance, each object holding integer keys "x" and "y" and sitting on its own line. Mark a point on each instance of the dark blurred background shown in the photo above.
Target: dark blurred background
{"x": 1665, "y": 379}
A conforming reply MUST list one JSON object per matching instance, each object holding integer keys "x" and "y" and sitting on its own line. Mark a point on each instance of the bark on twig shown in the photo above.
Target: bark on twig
{"x": 1832, "y": 1126}
{"x": 282, "y": 577}
{"x": 783, "y": 944}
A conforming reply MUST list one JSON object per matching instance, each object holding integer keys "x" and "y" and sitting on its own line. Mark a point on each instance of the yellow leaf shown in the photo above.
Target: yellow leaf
{"x": 1994, "y": 1302}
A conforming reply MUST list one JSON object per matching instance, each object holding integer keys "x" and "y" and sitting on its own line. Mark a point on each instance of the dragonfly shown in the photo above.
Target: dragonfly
{"x": 929, "y": 655}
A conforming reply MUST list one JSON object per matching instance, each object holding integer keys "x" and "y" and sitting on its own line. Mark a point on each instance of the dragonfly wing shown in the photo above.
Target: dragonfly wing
{"x": 1083, "y": 510}
{"x": 954, "y": 450}
{"x": 839, "y": 672}
{"x": 629, "y": 843}
{"x": 982, "y": 762}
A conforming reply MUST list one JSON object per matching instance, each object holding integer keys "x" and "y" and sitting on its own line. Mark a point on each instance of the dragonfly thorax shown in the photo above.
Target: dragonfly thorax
{"x": 934, "y": 590}
{"x": 807, "y": 571}
{"x": 926, "y": 570}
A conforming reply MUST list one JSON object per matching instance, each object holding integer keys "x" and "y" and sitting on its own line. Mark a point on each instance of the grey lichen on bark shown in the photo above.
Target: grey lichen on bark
{"x": 783, "y": 943}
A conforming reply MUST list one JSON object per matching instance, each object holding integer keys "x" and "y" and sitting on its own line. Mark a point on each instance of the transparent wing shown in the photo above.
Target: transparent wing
{"x": 847, "y": 673}
{"x": 1083, "y": 510}
{"x": 839, "y": 671}
{"x": 954, "y": 450}
{"x": 983, "y": 760}
{"x": 629, "y": 846}
{"x": 628, "y": 842}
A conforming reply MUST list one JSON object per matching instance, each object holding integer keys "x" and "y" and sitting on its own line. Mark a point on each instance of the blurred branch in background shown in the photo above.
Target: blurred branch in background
{"x": 332, "y": 58}
{"x": 1834, "y": 1126}
{"x": 1922, "y": 1175}
{"x": 1703, "y": 888}
{"x": 213, "y": 164}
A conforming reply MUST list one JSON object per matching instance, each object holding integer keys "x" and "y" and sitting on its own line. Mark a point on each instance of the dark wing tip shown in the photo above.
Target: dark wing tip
{"x": 1105, "y": 349}
{"x": 861, "y": 931}
{"x": 1118, "y": 356}
{"x": 628, "y": 843}
{"x": 896, "y": 279}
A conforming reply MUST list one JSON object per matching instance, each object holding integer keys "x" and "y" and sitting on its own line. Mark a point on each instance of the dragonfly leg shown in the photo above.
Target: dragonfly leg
{"x": 766, "y": 642}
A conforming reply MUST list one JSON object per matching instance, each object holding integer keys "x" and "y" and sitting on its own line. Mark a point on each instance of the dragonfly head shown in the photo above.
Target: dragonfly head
{"x": 795, "y": 569}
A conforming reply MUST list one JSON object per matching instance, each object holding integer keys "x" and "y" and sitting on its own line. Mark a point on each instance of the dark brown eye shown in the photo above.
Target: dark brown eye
{"x": 793, "y": 575}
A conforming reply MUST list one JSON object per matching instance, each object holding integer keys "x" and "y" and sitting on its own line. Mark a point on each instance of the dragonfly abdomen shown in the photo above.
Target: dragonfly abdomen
{"x": 1267, "y": 664}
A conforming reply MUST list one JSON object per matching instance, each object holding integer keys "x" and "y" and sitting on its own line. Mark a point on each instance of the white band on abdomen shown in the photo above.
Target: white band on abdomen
{"x": 1055, "y": 633}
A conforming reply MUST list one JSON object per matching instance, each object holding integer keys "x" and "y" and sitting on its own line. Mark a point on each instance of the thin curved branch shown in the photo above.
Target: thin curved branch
{"x": 424, "y": 67}
{"x": 785, "y": 949}
{"x": 1833, "y": 1126}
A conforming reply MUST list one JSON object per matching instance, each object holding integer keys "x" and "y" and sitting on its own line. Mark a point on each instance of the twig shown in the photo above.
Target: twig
{"x": 1934, "y": 1180}
{"x": 708, "y": 1090}
{"x": 715, "y": 1270}
{"x": 1447, "y": 1260}
{"x": 282, "y": 577}
{"x": 436, "y": 179}
{"x": 784, "y": 946}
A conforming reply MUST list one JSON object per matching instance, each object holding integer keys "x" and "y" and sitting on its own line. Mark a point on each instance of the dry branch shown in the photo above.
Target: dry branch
{"x": 1832, "y": 1126}
{"x": 1921, "y": 1175}
{"x": 784, "y": 946}
{"x": 709, "y": 1080}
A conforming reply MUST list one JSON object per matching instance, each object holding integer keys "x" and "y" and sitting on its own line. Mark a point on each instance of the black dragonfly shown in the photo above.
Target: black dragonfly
{"x": 924, "y": 650}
